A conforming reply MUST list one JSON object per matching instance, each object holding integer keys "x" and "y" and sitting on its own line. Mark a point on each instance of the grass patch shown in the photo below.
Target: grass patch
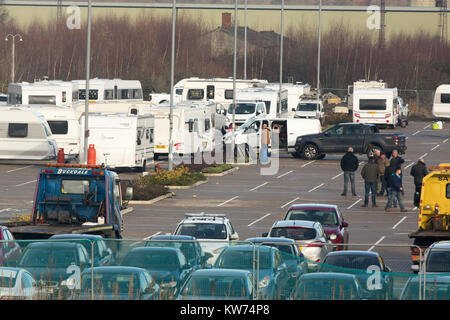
{"x": 218, "y": 168}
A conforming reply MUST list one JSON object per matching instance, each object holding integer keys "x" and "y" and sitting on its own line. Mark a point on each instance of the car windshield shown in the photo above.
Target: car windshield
{"x": 188, "y": 248}
{"x": 154, "y": 260}
{"x": 40, "y": 257}
{"x": 325, "y": 217}
{"x": 438, "y": 261}
{"x": 434, "y": 290}
{"x": 326, "y": 289}
{"x": 229, "y": 287}
{"x": 296, "y": 233}
{"x": 111, "y": 283}
{"x": 242, "y": 108}
{"x": 243, "y": 259}
{"x": 359, "y": 262}
{"x": 203, "y": 230}
{"x": 8, "y": 279}
{"x": 307, "y": 107}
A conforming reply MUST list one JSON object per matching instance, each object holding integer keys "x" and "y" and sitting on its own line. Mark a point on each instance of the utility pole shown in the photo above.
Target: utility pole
{"x": 281, "y": 50}
{"x": 88, "y": 75}
{"x": 245, "y": 40}
{"x": 59, "y": 12}
{"x": 443, "y": 20}
{"x": 13, "y": 52}
{"x": 234, "y": 75}
{"x": 381, "y": 34}
{"x": 318, "y": 50}
{"x": 172, "y": 68}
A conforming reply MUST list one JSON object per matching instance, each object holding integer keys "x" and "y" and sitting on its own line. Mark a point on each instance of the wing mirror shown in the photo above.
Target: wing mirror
{"x": 293, "y": 109}
{"x": 344, "y": 224}
{"x": 129, "y": 193}
{"x": 234, "y": 236}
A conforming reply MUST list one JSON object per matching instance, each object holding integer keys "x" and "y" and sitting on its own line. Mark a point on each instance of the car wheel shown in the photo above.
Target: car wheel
{"x": 310, "y": 152}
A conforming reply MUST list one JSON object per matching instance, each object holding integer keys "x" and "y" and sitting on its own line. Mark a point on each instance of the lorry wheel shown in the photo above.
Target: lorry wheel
{"x": 310, "y": 152}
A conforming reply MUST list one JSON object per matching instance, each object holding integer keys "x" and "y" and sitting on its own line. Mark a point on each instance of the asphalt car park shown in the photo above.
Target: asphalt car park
{"x": 253, "y": 202}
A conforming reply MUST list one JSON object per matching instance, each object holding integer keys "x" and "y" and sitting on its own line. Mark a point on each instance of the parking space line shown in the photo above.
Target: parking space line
{"x": 284, "y": 205}
{"x": 155, "y": 234}
{"x": 423, "y": 156}
{"x": 225, "y": 202}
{"x": 263, "y": 184}
{"x": 435, "y": 147}
{"x": 22, "y": 184}
{"x": 445, "y": 140}
{"x": 427, "y": 126}
{"x": 416, "y": 132}
{"x": 284, "y": 174}
{"x": 354, "y": 203}
{"x": 308, "y": 163}
{"x": 415, "y": 208}
{"x": 17, "y": 169}
{"x": 316, "y": 187}
{"x": 376, "y": 243}
{"x": 340, "y": 174}
{"x": 257, "y": 220}
{"x": 397, "y": 224}
{"x": 409, "y": 165}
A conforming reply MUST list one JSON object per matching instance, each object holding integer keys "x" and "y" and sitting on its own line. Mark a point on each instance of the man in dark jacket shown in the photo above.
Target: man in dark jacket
{"x": 370, "y": 174}
{"x": 349, "y": 164}
{"x": 397, "y": 191}
{"x": 396, "y": 160}
{"x": 388, "y": 181}
{"x": 418, "y": 171}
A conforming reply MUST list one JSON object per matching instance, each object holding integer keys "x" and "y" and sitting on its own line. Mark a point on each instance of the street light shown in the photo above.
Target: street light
{"x": 13, "y": 37}
{"x": 318, "y": 50}
{"x": 88, "y": 75}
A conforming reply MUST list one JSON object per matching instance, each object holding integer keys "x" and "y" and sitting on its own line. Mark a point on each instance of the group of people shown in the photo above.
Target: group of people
{"x": 381, "y": 176}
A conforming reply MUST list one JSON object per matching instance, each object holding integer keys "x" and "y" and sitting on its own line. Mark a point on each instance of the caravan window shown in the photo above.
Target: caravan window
{"x": 109, "y": 95}
{"x": 74, "y": 96}
{"x": 125, "y": 94}
{"x": 151, "y": 135}
{"x": 372, "y": 104}
{"x": 17, "y": 130}
{"x": 42, "y": 100}
{"x": 64, "y": 96}
{"x": 195, "y": 94}
{"x": 14, "y": 98}
{"x": 190, "y": 124}
{"x": 58, "y": 127}
{"x": 284, "y": 105}
{"x": 179, "y": 92}
{"x": 228, "y": 94}
{"x": 93, "y": 94}
{"x": 210, "y": 90}
{"x": 207, "y": 124}
{"x": 267, "y": 106}
{"x": 3, "y": 98}
{"x": 445, "y": 98}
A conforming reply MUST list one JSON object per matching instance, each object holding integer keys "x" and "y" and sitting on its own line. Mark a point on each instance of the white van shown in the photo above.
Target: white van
{"x": 309, "y": 108}
{"x": 25, "y": 135}
{"x": 121, "y": 140}
{"x": 295, "y": 91}
{"x": 441, "y": 102}
{"x": 288, "y": 129}
{"x": 245, "y": 110}
{"x": 376, "y": 106}
{"x": 192, "y": 129}
{"x": 110, "y": 89}
{"x": 64, "y": 126}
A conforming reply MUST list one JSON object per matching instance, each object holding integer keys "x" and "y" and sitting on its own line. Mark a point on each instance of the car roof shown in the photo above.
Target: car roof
{"x": 53, "y": 244}
{"x": 76, "y": 236}
{"x": 220, "y": 272}
{"x": 172, "y": 237}
{"x": 353, "y": 252}
{"x": 205, "y": 219}
{"x": 313, "y": 205}
{"x": 271, "y": 240}
{"x": 113, "y": 269}
{"x": 156, "y": 249}
{"x": 327, "y": 275}
{"x": 294, "y": 223}
{"x": 248, "y": 247}
{"x": 440, "y": 244}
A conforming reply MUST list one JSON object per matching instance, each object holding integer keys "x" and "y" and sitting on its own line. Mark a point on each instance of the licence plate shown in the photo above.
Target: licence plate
{"x": 160, "y": 147}
{"x": 372, "y": 112}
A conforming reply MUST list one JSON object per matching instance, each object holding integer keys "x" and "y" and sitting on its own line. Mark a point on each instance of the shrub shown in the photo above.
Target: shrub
{"x": 180, "y": 176}
{"x": 336, "y": 118}
{"x": 218, "y": 169}
{"x": 142, "y": 191}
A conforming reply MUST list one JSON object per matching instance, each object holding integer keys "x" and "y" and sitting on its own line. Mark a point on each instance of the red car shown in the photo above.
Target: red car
{"x": 328, "y": 215}
{"x": 10, "y": 251}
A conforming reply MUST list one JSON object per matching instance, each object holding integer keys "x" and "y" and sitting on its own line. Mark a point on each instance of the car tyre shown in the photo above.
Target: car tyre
{"x": 310, "y": 152}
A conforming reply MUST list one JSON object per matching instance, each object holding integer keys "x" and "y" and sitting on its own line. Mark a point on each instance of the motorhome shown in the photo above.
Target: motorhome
{"x": 377, "y": 106}
{"x": 295, "y": 91}
{"x": 113, "y": 107}
{"x": 25, "y": 135}
{"x": 192, "y": 129}
{"x": 64, "y": 126}
{"x": 3, "y": 99}
{"x": 54, "y": 92}
{"x": 121, "y": 140}
{"x": 110, "y": 89}
{"x": 283, "y": 130}
{"x": 363, "y": 84}
{"x": 441, "y": 102}
{"x": 309, "y": 106}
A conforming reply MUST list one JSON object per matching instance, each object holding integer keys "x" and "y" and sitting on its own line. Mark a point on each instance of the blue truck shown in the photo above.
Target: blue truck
{"x": 77, "y": 199}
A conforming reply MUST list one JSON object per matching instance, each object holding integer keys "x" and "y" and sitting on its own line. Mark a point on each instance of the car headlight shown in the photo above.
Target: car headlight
{"x": 168, "y": 285}
{"x": 264, "y": 282}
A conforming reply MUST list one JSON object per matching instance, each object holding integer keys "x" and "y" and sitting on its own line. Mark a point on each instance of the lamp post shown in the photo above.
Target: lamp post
{"x": 13, "y": 37}
{"x": 318, "y": 50}
{"x": 245, "y": 41}
{"x": 88, "y": 72}
{"x": 172, "y": 66}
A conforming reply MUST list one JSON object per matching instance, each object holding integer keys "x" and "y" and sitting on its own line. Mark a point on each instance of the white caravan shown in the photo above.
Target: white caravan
{"x": 441, "y": 102}
{"x": 248, "y": 135}
{"x": 192, "y": 129}
{"x": 363, "y": 84}
{"x": 113, "y": 107}
{"x": 376, "y": 106}
{"x": 54, "y": 92}
{"x": 295, "y": 91}
{"x": 25, "y": 135}
{"x": 121, "y": 140}
{"x": 3, "y": 99}
{"x": 64, "y": 126}
{"x": 110, "y": 89}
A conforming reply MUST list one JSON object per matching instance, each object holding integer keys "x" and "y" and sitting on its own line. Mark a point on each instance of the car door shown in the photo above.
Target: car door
{"x": 281, "y": 275}
{"x": 353, "y": 137}
{"x": 321, "y": 237}
{"x": 253, "y": 135}
{"x": 11, "y": 248}
{"x": 332, "y": 140}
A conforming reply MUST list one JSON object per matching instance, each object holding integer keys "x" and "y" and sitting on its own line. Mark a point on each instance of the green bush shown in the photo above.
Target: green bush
{"x": 180, "y": 176}
{"x": 218, "y": 168}
{"x": 335, "y": 118}
{"x": 142, "y": 191}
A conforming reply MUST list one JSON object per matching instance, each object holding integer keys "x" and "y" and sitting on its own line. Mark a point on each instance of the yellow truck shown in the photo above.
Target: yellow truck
{"x": 434, "y": 212}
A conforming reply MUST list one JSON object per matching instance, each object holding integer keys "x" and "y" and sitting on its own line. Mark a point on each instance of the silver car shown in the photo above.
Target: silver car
{"x": 309, "y": 236}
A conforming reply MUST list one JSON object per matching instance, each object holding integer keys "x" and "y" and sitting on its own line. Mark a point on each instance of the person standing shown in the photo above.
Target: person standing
{"x": 265, "y": 141}
{"x": 382, "y": 163}
{"x": 396, "y": 160}
{"x": 418, "y": 171}
{"x": 370, "y": 175}
{"x": 349, "y": 164}
{"x": 397, "y": 191}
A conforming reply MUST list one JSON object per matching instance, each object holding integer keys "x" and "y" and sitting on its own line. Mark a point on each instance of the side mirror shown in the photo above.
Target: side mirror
{"x": 234, "y": 236}
{"x": 281, "y": 268}
{"x": 129, "y": 193}
{"x": 186, "y": 266}
{"x": 207, "y": 256}
{"x": 387, "y": 269}
{"x": 265, "y": 234}
{"x": 344, "y": 224}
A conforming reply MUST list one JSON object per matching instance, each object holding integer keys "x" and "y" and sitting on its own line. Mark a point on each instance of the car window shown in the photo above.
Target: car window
{"x": 438, "y": 261}
{"x": 243, "y": 259}
{"x": 353, "y": 130}
{"x": 295, "y": 233}
{"x": 336, "y": 131}
{"x": 203, "y": 230}
{"x": 215, "y": 287}
{"x": 27, "y": 281}
{"x": 350, "y": 261}
{"x": 152, "y": 260}
{"x": 325, "y": 217}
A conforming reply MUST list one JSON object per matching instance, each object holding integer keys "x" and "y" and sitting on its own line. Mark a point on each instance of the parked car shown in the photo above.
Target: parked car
{"x": 103, "y": 255}
{"x": 269, "y": 270}
{"x": 117, "y": 283}
{"x": 328, "y": 286}
{"x": 18, "y": 284}
{"x": 189, "y": 246}
{"x": 291, "y": 255}
{"x": 328, "y": 215}
{"x": 436, "y": 287}
{"x": 309, "y": 236}
{"x": 437, "y": 258}
{"x": 218, "y": 284}
{"x": 167, "y": 266}
{"x": 364, "y": 138}
{"x": 10, "y": 251}
{"x": 363, "y": 264}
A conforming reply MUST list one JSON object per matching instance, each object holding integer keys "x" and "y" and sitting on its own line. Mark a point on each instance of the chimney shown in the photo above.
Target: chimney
{"x": 226, "y": 20}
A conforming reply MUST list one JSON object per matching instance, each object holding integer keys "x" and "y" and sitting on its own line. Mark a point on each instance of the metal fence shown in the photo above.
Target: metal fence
{"x": 103, "y": 269}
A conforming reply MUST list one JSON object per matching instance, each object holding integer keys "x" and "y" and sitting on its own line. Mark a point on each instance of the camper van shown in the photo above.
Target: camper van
{"x": 295, "y": 91}
{"x": 110, "y": 89}
{"x": 309, "y": 106}
{"x": 441, "y": 102}
{"x": 287, "y": 129}
{"x": 64, "y": 126}
{"x": 54, "y": 92}
{"x": 121, "y": 140}
{"x": 192, "y": 129}
{"x": 377, "y": 106}
{"x": 25, "y": 135}
{"x": 245, "y": 110}
{"x": 363, "y": 84}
